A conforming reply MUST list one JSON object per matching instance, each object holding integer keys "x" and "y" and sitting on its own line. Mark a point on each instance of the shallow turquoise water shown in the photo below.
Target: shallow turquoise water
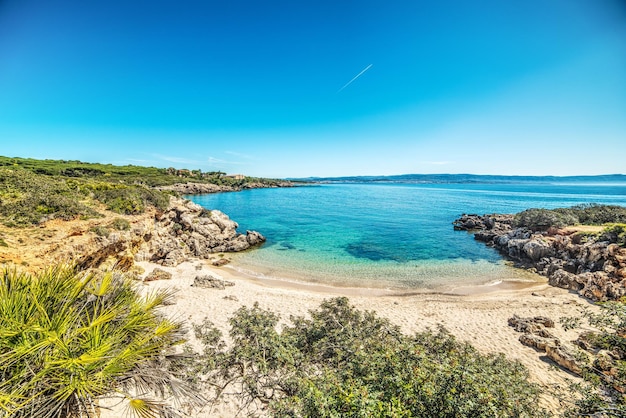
{"x": 396, "y": 236}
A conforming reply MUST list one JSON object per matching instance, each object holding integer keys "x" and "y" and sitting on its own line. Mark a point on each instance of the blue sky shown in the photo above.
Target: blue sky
{"x": 519, "y": 87}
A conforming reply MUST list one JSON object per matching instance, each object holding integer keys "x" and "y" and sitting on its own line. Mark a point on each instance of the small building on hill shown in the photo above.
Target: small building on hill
{"x": 236, "y": 176}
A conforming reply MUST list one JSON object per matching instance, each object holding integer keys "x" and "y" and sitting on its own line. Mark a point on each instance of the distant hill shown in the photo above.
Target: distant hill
{"x": 465, "y": 178}
{"x": 35, "y": 191}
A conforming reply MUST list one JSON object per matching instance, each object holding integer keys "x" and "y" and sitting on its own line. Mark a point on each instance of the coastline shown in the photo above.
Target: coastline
{"x": 286, "y": 281}
{"x": 475, "y": 315}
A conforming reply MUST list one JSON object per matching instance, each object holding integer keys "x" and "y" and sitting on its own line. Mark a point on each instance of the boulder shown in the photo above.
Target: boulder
{"x": 211, "y": 282}
{"x": 524, "y": 324}
{"x": 157, "y": 274}
{"x": 537, "y": 342}
{"x": 537, "y": 249}
{"x": 564, "y": 358}
{"x": 254, "y": 238}
{"x": 220, "y": 262}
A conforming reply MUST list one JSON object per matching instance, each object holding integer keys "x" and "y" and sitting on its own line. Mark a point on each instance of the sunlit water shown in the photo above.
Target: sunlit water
{"x": 396, "y": 236}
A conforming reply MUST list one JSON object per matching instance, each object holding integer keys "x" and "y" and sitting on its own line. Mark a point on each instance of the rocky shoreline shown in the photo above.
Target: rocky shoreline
{"x": 191, "y": 188}
{"x": 185, "y": 230}
{"x": 596, "y": 269}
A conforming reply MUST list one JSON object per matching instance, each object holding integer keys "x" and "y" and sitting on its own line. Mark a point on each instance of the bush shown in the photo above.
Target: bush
{"x": 349, "y": 363}
{"x": 120, "y": 224}
{"x": 588, "y": 214}
{"x": 603, "y": 396}
{"x": 29, "y": 199}
{"x": 101, "y": 231}
{"x": 543, "y": 219}
{"x": 131, "y": 200}
{"x": 67, "y": 338}
{"x": 594, "y": 214}
{"x": 615, "y": 233}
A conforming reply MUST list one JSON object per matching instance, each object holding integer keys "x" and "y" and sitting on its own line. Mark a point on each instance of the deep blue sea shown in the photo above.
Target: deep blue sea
{"x": 396, "y": 236}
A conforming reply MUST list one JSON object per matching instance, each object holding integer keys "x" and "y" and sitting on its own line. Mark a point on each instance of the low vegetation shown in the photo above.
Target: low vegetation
{"x": 68, "y": 338}
{"x": 342, "y": 362}
{"x": 587, "y": 214}
{"x": 603, "y": 395}
{"x": 34, "y": 191}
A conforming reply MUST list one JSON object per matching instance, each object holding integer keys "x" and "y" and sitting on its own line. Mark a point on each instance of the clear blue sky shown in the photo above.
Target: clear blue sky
{"x": 528, "y": 87}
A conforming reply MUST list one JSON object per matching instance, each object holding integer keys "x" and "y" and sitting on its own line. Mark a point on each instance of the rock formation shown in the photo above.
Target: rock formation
{"x": 204, "y": 188}
{"x": 157, "y": 274}
{"x": 536, "y": 335}
{"x": 210, "y": 282}
{"x": 168, "y": 238}
{"x": 595, "y": 269}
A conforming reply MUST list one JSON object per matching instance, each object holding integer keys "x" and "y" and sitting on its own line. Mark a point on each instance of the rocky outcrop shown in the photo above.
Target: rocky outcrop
{"x": 158, "y": 274}
{"x": 211, "y": 282}
{"x": 190, "y": 188}
{"x": 185, "y": 230}
{"x": 595, "y": 269}
{"x": 536, "y": 335}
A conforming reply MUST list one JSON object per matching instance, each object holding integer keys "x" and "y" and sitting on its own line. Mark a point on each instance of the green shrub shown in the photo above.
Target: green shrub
{"x": 101, "y": 231}
{"x": 29, "y": 199}
{"x": 594, "y": 214}
{"x": 603, "y": 395}
{"x": 120, "y": 224}
{"x": 615, "y": 233}
{"x": 131, "y": 200}
{"x": 543, "y": 219}
{"x": 342, "y": 362}
{"x": 588, "y": 214}
{"x": 67, "y": 338}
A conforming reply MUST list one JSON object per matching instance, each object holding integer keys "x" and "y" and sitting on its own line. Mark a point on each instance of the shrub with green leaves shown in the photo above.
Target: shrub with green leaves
{"x": 615, "y": 233}
{"x": 120, "y": 224}
{"x": 543, "y": 219}
{"x": 603, "y": 395}
{"x": 587, "y": 214}
{"x": 595, "y": 214}
{"x": 342, "y": 362}
{"x": 28, "y": 199}
{"x": 68, "y": 338}
{"x": 131, "y": 200}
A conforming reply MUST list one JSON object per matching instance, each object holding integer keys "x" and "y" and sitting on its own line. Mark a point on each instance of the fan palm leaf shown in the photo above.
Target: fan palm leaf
{"x": 68, "y": 338}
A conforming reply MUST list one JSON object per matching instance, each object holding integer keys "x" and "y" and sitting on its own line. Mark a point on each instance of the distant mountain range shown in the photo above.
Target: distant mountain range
{"x": 464, "y": 178}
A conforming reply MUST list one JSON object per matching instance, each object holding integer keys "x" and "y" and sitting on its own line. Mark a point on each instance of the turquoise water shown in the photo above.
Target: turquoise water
{"x": 397, "y": 236}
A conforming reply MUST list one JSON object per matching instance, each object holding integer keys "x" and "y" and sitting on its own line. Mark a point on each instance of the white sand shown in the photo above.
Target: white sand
{"x": 479, "y": 317}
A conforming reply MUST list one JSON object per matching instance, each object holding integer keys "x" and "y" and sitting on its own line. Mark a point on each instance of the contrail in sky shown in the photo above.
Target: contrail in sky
{"x": 355, "y": 77}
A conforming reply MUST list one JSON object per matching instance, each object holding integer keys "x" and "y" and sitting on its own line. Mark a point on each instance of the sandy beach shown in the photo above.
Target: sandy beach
{"x": 476, "y": 315}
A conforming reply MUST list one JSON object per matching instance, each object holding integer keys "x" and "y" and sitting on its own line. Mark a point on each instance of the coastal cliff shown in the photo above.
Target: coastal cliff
{"x": 589, "y": 264}
{"x": 171, "y": 237}
{"x": 168, "y": 237}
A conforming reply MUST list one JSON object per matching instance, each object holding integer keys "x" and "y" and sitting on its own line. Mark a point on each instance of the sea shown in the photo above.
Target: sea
{"x": 394, "y": 236}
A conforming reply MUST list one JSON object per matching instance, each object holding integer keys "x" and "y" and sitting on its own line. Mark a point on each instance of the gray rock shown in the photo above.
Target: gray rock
{"x": 538, "y": 342}
{"x": 254, "y": 238}
{"x": 537, "y": 249}
{"x": 564, "y": 358}
{"x": 157, "y": 274}
{"x": 211, "y": 282}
